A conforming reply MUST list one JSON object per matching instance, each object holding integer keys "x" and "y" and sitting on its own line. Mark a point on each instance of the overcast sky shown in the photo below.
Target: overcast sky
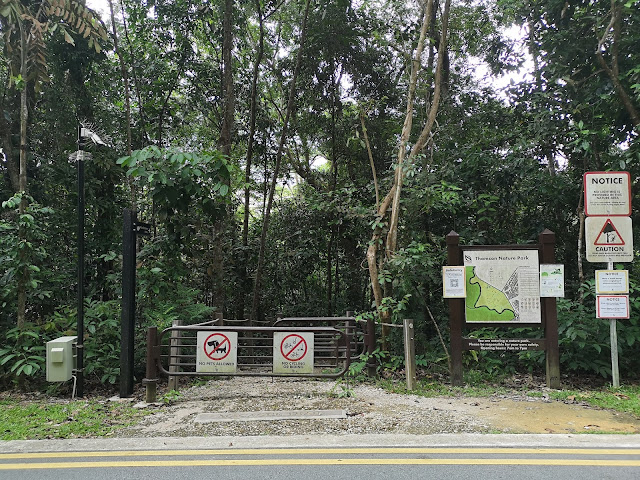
{"x": 101, "y": 6}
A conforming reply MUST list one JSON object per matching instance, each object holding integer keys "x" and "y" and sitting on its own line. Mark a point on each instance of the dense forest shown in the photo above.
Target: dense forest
{"x": 307, "y": 157}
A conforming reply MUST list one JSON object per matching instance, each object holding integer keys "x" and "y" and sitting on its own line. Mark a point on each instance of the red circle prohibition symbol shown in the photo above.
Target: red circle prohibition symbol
{"x": 214, "y": 347}
{"x": 295, "y": 349}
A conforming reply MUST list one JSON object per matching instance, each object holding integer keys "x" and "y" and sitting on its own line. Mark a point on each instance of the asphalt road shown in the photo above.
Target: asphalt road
{"x": 379, "y": 457}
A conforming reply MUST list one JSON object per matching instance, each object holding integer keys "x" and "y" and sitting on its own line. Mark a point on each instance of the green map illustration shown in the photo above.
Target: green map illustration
{"x": 484, "y": 302}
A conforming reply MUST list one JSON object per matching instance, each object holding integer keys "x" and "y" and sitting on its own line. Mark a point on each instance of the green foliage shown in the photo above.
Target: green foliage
{"x": 102, "y": 340}
{"x": 170, "y": 397}
{"x": 22, "y": 357}
{"x": 22, "y": 250}
{"x": 178, "y": 181}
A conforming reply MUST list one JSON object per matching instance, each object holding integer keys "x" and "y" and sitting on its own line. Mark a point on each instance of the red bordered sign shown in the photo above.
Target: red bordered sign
{"x": 293, "y": 353}
{"x": 293, "y": 347}
{"x": 607, "y": 194}
{"x": 217, "y": 352}
{"x": 612, "y": 306}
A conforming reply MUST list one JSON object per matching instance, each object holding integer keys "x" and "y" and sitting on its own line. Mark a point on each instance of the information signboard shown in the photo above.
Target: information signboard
{"x": 612, "y": 281}
{"x": 607, "y": 193}
{"x": 502, "y": 286}
{"x": 453, "y": 282}
{"x": 552, "y": 280}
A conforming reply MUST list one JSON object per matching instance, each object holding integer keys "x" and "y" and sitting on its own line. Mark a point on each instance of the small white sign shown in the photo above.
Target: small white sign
{"x": 217, "y": 352}
{"x": 551, "y": 280}
{"x": 453, "y": 282}
{"x": 612, "y": 281}
{"x": 612, "y": 306}
{"x": 607, "y": 193}
{"x": 293, "y": 353}
{"x": 609, "y": 239}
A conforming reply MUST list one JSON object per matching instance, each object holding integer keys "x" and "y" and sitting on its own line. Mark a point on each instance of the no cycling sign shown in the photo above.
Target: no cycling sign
{"x": 292, "y": 353}
{"x": 217, "y": 352}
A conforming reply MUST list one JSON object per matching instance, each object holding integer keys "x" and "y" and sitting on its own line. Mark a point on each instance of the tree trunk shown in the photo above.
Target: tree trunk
{"x": 226, "y": 131}
{"x": 283, "y": 137}
{"x": 393, "y": 197}
{"x": 227, "y": 79}
{"x": 249, "y": 159}
{"x": 371, "y": 162}
{"x": 22, "y": 180}
{"x": 613, "y": 70}
{"x": 125, "y": 79}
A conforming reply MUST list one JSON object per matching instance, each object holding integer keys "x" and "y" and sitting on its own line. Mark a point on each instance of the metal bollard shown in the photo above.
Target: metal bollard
{"x": 151, "y": 380}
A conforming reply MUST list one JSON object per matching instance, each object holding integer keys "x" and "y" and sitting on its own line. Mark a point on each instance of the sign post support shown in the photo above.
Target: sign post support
{"x": 548, "y": 241}
{"x": 456, "y": 313}
{"x": 613, "y": 333}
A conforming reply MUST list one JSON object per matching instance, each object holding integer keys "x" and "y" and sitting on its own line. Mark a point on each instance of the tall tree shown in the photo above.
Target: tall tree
{"x": 405, "y": 155}
{"x": 25, "y": 28}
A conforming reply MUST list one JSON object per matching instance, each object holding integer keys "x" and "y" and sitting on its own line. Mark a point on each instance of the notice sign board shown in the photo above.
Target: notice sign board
{"x": 612, "y": 306}
{"x": 293, "y": 353}
{"x": 609, "y": 239}
{"x": 607, "y": 193}
{"x": 217, "y": 352}
{"x": 612, "y": 281}
{"x": 503, "y": 286}
{"x": 551, "y": 280}
{"x": 453, "y": 282}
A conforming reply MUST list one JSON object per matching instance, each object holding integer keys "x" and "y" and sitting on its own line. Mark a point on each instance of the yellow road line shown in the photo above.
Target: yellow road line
{"x": 327, "y": 451}
{"x": 319, "y": 461}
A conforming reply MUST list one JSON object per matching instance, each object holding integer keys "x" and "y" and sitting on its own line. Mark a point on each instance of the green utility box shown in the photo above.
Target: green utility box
{"x": 61, "y": 358}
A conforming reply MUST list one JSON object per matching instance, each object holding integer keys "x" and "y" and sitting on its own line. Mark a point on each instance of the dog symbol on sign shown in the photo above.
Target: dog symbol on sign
{"x": 216, "y": 346}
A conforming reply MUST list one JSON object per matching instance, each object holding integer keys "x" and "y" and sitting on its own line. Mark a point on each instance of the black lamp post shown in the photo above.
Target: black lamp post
{"x": 80, "y": 327}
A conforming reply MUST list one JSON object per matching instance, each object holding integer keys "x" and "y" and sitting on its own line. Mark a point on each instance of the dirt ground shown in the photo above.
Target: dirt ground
{"x": 369, "y": 410}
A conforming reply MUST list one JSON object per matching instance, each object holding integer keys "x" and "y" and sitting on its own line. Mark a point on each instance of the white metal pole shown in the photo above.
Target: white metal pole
{"x": 613, "y": 333}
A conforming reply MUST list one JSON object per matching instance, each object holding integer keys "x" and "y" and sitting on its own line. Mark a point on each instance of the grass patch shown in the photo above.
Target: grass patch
{"x": 41, "y": 419}
{"x": 623, "y": 399}
{"x": 429, "y": 388}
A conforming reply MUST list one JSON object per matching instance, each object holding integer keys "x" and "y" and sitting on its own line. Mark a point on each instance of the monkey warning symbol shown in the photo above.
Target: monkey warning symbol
{"x": 609, "y": 235}
{"x": 609, "y": 239}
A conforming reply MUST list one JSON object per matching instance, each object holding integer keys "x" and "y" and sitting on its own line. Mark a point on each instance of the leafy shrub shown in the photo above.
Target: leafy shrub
{"x": 22, "y": 357}
{"x": 102, "y": 341}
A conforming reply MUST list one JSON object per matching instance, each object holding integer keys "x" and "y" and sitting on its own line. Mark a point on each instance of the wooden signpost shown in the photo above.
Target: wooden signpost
{"x": 502, "y": 290}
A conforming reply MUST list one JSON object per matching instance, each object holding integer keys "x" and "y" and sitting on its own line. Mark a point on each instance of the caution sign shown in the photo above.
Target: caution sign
{"x": 609, "y": 239}
{"x": 217, "y": 352}
{"x": 293, "y": 353}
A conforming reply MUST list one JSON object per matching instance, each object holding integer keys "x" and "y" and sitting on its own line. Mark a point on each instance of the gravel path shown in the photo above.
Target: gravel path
{"x": 369, "y": 410}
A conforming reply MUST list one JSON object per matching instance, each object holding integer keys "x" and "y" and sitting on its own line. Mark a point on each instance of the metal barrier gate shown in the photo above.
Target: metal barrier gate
{"x": 174, "y": 351}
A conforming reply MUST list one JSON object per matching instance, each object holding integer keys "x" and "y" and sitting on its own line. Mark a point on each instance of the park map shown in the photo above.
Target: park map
{"x": 502, "y": 286}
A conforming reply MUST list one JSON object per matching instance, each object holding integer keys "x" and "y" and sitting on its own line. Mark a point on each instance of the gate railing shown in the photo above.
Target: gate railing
{"x": 173, "y": 351}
